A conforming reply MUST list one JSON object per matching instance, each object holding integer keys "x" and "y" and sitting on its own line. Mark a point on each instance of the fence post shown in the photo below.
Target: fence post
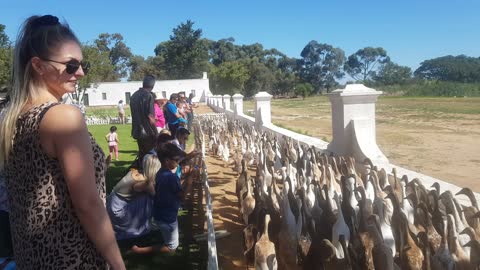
{"x": 218, "y": 103}
{"x": 208, "y": 101}
{"x": 263, "y": 114}
{"x": 226, "y": 102}
{"x": 237, "y": 104}
{"x": 353, "y": 123}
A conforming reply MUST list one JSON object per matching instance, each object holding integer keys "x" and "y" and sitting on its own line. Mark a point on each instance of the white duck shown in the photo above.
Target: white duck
{"x": 340, "y": 228}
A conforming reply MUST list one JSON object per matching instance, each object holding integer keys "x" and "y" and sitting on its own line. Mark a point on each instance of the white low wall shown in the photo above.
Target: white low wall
{"x": 353, "y": 125}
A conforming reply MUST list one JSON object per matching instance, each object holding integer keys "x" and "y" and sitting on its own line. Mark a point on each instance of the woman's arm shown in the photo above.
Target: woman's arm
{"x": 106, "y": 137}
{"x": 69, "y": 142}
{"x": 187, "y": 107}
{"x": 144, "y": 186}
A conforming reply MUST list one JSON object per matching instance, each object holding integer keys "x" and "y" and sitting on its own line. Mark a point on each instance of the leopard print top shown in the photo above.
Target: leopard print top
{"x": 46, "y": 232}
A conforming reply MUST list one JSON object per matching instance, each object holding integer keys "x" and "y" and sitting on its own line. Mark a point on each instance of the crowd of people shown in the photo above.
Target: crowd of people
{"x": 54, "y": 210}
{"x": 149, "y": 196}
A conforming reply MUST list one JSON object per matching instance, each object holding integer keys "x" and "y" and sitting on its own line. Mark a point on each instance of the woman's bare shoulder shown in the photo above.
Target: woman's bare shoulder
{"x": 63, "y": 117}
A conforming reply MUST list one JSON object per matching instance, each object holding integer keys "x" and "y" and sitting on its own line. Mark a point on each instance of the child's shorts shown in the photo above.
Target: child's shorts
{"x": 169, "y": 232}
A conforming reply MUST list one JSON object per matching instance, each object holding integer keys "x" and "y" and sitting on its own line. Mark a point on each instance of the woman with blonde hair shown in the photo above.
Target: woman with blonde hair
{"x": 130, "y": 202}
{"x": 54, "y": 170}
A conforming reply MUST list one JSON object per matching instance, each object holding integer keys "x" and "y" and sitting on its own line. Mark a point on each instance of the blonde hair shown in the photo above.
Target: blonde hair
{"x": 151, "y": 165}
{"x": 38, "y": 37}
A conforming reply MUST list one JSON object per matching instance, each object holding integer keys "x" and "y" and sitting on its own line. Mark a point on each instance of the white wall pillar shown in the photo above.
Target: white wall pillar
{"x": 226, "y": 102}
{"x": 218, "y": 101}
{"x": 263, "y": 114}
{"x": 353, "y": 123}
{"x": 237, "y": 104}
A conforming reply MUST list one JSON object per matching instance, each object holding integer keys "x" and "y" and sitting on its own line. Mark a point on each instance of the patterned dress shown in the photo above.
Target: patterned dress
{"x": 46, "y": 231}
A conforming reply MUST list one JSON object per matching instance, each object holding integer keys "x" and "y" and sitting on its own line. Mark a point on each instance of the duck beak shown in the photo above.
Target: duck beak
{"x": 464, "y": 231}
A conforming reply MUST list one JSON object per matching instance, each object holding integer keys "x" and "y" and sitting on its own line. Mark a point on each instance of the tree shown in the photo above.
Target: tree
{"x": 252, "y": 51}
{"x": 223, "y": 51}
{"x": 118, "y": 53}
{"x": 320, "y": 65}
{"x": 6, "y": 59}
{"x": 261, "y": 78}
{"x": 391, "y": 73}
{"x": 288, "y": 65}
{"x": 101, "y": 70}
{"x": 267, "y": 69}
{"x": 185, "y": 54}
{"x": 272, "y": 58}
{"x": 139, "y": 67}
{"x": 304, "y": 90}
{"x": 4, "y": 40}
{"x": 287, "y": 74}
{"x": 284, "y": 83}
{"x": 459, "y": 68}
{"x": 229, "y": 78}
{"x": 362, "y": 64}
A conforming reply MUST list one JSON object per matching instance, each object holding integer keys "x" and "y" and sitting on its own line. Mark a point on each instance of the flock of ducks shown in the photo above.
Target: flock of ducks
{"x": 304, "y": 209}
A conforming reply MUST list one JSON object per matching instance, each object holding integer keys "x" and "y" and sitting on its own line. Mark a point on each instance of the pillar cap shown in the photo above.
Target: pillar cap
{"x": 226, "y": 96}
{"x": 237, "y": 95}
{"x": 354, "y": 90}
{"x": 263, "y": 96}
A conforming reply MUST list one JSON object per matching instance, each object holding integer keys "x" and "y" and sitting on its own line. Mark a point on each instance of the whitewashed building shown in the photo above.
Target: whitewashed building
{"x": 109, "y": 93}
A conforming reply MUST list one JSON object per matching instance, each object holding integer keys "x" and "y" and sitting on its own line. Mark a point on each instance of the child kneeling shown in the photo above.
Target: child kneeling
{"x": 168, "y": 195}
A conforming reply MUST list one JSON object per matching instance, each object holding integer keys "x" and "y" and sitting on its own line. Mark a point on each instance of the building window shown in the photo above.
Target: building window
{"x": 127, "y": 97}
{"x": 104, "y": 96}
{"x": 86, "y": 102}
{"x": 193, "y": 92}
{"x": 164, "y": 94}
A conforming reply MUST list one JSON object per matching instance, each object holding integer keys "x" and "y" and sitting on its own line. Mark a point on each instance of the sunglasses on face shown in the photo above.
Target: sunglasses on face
{"x": 73, "y": 65}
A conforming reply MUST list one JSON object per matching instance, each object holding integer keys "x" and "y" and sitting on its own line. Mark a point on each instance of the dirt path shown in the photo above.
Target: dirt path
{"x": 226, "y": 214}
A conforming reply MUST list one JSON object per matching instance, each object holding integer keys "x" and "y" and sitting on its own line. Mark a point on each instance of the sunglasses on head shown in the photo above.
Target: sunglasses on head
{"x": 73, "y": 65}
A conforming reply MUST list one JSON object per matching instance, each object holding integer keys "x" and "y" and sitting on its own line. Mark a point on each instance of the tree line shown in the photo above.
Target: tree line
{"x": 248, "y": 69}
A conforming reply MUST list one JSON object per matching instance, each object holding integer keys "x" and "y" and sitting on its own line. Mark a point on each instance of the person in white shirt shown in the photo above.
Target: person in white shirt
{"x": 121, "y": 111}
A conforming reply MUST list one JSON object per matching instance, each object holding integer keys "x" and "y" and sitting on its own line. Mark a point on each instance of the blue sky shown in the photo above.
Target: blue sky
{"x": 410, "y": 30}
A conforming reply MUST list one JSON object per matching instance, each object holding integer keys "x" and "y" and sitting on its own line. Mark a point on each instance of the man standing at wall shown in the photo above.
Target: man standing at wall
{"x": 143, "y": 118}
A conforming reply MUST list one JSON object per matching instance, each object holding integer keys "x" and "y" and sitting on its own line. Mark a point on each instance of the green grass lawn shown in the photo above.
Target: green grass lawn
{"x": 190, "y": 255}
{"x": 321, "y": 104}
{"x": 105, "y": 111}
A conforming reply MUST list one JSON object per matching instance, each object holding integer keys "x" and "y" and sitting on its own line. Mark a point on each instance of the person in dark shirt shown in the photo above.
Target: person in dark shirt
{"x": 168, "y": 196}
{"x": 143, "y": 117}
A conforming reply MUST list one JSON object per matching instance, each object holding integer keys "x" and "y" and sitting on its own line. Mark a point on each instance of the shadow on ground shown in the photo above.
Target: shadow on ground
{"x": 190, "y": 254}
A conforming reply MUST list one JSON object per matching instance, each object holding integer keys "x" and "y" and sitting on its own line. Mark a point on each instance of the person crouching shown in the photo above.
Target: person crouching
{"x": 168, "y": 196}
